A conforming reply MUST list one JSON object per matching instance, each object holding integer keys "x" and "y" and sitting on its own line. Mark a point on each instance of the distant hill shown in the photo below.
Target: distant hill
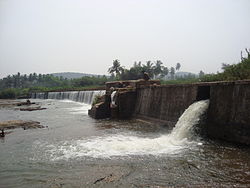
{"x": 71, "y": 75}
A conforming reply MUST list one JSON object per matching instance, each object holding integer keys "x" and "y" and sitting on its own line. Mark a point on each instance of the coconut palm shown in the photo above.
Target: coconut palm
{"x": 157, "y": 68}
{"x": 172, "y": 72}
{"x": 116, "y": 68}
{"x": 178, "y": 66}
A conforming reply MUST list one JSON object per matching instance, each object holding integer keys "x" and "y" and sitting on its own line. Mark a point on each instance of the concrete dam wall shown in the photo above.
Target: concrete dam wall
{"x": 229, "y": 112}
{"x": 165, "y": 103}
{"x": 228, "y": 116}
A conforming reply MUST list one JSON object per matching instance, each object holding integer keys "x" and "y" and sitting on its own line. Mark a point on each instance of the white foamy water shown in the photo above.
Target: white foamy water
{"x": 125, "y": 145}
{"x": 81, "y": 108}
{"x": 86, "y": 97}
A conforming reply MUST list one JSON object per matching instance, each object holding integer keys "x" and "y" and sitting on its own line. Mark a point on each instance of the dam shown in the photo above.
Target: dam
{"x": 227, "y": 118}
{"x": 134, "y": 147}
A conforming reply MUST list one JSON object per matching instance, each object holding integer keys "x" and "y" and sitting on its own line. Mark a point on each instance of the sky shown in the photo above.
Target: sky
{"x": 47, "y": 36}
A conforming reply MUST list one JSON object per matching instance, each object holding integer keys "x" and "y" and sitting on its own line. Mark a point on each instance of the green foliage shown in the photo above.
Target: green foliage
{"x": 20, "y": 85}
{"x": 158, "y": 68}
{"x": 116, "y": 68}
{"x": 240, "y": 71}
{"x": 155, "y": 70}
{"x": 11, "y": 93}
{"x": 8, "y": 94}
{"x": 89, "y": 81}
{"x": 31, "y": 80}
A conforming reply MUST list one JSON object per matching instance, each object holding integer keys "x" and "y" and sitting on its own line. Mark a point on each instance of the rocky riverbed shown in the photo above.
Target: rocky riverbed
{"x": 17, "y": 123}
{"x": 20, "y": 105}
{"x": 12, "y": 124}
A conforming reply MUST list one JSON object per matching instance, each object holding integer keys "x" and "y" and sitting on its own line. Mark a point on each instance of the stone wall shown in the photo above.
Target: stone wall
{"x": 228, "y": 116}
{"x": 126, "y": 104}
{"x": 165, "y": 103}
{"x": 229, "y": 112}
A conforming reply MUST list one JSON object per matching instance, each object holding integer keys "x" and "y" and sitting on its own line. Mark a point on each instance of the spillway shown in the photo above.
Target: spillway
{"x": 86, "y": 97}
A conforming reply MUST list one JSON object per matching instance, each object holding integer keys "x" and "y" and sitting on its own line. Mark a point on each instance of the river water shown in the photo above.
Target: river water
{"x": 78, "y": 151}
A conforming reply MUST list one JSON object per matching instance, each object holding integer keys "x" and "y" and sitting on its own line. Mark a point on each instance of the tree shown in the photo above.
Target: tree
{"x": 116, "y": 68}
{"x": 165, "y": 72}
{"x": 157, "y": 68}
{"x": 34, "y": 76}
{"x": 224, "y": 66}
{"x": 137, "y": 65}
{"x": 148, "y": 67}
{"x": 172, "y": 72}
{"x": 30, "y": 77}
{"x": 8, "y": 82}
{"x": 201, "y": 74}
{"x": 40, "y": 77}
{"x": 178, "y": 66}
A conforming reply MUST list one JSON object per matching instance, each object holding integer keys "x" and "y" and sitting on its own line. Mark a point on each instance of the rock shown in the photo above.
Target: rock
{"x": 11, "y": 103}
{"x": 32, "y": 108}
{"x": 101, "y": 110}
{"x": 25, "y": 103}
{"x": 20, "y": 124}
{"x": 109, "y": 178}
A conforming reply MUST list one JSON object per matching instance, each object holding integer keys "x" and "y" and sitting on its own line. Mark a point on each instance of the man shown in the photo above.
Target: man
{"x": 145, "y": 76}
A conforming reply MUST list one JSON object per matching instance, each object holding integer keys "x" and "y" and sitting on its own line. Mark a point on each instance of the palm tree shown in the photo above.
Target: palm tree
{"x": 158, "y": 68}
{"x": 178, "y": 66}
{"x": 172, "y": 72}
{"x": 165, "y": 72}
{"x": 116, "y": 68}
{"x": 148, "y": 67}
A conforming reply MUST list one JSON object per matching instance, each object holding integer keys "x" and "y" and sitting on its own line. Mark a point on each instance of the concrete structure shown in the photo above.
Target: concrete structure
{"x": 228, "y": 116}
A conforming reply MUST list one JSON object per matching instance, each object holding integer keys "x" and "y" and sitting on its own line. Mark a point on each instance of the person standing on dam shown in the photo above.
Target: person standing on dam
{"x": 145, "y": 76}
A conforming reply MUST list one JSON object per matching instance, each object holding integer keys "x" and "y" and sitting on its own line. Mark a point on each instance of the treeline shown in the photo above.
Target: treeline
{"x": 31, "y": 80}
{"x": 48, "y": 81}
{"x": 18, "y": 85}
{"x": 156, "y": 70}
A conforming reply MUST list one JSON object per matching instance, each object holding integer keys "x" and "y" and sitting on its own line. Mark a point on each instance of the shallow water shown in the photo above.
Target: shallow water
{"x": 78, "y": 151}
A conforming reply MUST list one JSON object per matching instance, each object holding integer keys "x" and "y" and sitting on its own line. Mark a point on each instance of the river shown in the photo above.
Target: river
{"x": 78, "y": 151}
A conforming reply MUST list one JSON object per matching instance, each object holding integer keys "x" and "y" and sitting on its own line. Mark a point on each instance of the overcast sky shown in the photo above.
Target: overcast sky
{"x": 47, "y": 36}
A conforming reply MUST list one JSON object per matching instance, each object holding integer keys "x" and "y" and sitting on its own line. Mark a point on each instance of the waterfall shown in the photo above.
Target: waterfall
{"x": 181, "y": 137}
{"x": 77, "y": 96}
{"x": 40, "y": 95}
{"x": 188, "y": 119}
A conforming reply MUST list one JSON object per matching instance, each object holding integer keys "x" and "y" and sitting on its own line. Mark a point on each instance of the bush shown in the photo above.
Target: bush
{"x": 240, "y": 71}
{"x": 8, "y": 94}
{"x": 12, "y": 93}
